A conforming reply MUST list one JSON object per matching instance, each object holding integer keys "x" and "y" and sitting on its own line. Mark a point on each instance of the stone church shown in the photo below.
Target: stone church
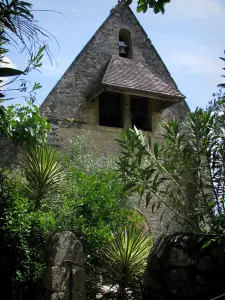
{"x": 117, "y": 81}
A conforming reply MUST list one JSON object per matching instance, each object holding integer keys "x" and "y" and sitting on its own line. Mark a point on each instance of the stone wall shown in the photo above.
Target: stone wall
{"x": 9, "y": 153}
{"x": 178, "y": 110}
{"x": 65, "y": 277}
{"x": 180, "y": 268}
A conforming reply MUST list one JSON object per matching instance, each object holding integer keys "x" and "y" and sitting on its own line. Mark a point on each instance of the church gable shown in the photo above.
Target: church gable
{"x": 121, "y": 32}
{"x": 117, "y": 81}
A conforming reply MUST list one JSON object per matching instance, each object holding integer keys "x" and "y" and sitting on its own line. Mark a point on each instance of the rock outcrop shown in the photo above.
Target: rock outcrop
{"x": 180, "y": 268}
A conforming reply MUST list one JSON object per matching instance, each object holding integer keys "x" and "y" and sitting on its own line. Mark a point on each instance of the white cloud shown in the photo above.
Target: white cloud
{"x": 49, "y": 70}
{"x": 196, "y": 9}
{"x": 7, "y": 63}
{"x": 60, "y": 7}
{"x": 75, "y": 10}
{"x": 198, "y": 61}
{"x": 209, "y": 13}
{"x": 56, "y": 70}
{"x": 192, "y": 31}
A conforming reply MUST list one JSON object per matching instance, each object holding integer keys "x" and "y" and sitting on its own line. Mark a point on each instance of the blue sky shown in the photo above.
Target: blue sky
{"x": 189, "y": 38}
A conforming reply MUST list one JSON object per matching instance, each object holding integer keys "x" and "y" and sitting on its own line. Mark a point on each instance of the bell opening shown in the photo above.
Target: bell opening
{"x": 123, "y": 49}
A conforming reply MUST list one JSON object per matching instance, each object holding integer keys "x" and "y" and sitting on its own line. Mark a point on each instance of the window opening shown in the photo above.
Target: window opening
{"x": 110, "y": 110}
{"x": 140, "y": 117}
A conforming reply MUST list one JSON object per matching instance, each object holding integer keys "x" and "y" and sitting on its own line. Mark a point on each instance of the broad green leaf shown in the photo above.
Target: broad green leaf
{"x": 5, "y": 72}
{"x": 206, "y": 243}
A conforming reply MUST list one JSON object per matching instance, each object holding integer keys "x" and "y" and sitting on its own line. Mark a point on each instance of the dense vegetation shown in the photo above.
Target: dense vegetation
{"x": 50, "y": 193}
{"x": 185, "y": 174}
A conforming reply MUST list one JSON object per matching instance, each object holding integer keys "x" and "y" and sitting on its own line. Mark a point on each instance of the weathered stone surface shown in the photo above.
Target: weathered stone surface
{"x": 205, "y": 263}
{"x": 66, "y": 277}
{"x": 179, "y": 268}
{"x": 61, "y": 281}
{"x": 177, "y": 277}
{"x": 67, "y": 248}
{"x": 178, "y": 257}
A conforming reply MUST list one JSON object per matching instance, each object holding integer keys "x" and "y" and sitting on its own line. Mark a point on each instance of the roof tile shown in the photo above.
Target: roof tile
{"x": 129, "y": 74}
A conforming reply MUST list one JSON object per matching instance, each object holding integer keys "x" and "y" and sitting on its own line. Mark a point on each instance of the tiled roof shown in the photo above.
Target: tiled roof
{"x": 128, "y": 74}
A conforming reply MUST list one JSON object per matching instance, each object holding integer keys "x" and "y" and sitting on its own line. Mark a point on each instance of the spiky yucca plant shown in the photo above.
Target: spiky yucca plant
{"x": 43, "y": 173}
{"x": 125, "y": 257}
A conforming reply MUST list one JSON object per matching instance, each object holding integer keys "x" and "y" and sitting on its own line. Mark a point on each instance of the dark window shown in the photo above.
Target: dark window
{"x": 125, "y": 49}
{"x": 140, "y": 117}
{"x": 110, "y": 110}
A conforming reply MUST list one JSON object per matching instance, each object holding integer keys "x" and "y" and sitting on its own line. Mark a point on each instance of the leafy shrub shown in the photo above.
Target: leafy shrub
{"x": 93, "y": 203}
{"x": 125, "y": 258}
{"x": 93, "y": 206}
{"x": 23, "y": 238}
{"x": 23, "y": 124}
{"x": 185, "y": 173}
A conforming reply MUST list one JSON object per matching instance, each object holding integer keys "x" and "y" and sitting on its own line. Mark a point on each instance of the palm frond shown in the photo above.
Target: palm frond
{"x": 43, "y": 172}
{"x": 126, "y": 255}
{"x": 18, "y": 25}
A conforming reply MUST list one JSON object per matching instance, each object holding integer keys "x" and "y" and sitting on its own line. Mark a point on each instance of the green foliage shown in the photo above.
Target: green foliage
{"x": 97, "y": 203}
{"x": 93, "y": 193}
{"x": 16, "y": 9}
{"x": 34, "y": 62}
{"x": 23, "y": 238}
{"x": 9, "y": 72}
{"x": 222, "y": 85}
{"x": 23, "y": 227}
{"x": 185, "y": 174}
{"x": 93, "y": 204}
{"x": 217, "y": 106}
{"x": 43, "y": 173}
{"x": 23, "y": 124}
{"x": 144, "y": 5}
{"x": 19, "y": 28}
{"x": 90, "y": 202}
{"x": 126, "y": 256}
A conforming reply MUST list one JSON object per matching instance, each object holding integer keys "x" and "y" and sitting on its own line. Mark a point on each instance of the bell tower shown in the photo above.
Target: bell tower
{"x": 117, "y": 81}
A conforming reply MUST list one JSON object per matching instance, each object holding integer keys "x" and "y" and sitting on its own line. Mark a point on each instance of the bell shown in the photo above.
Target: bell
{"x": 122, "y": 51}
